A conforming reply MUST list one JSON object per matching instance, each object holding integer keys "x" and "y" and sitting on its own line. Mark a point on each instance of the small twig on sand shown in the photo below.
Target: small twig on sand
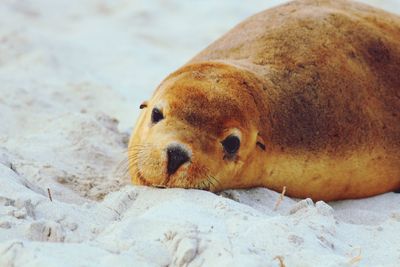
{"x": 280, "y": 199}
{"x": 357, "y": 258}
{"x": 49, "y": 193}
{"x": 280, "y": 259}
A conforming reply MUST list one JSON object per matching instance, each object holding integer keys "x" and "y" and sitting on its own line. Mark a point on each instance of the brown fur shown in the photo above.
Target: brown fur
{"x": 317, "y": 81}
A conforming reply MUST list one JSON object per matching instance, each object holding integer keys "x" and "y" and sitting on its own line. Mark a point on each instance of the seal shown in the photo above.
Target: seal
{"x": 305, "y": 95}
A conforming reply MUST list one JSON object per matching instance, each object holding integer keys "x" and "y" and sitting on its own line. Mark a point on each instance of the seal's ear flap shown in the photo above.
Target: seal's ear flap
{"x": 143, "y": 105}
{"x": 260, "y": 142}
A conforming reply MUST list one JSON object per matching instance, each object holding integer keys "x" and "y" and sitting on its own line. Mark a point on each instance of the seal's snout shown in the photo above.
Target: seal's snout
{"x": 177, "y": 156}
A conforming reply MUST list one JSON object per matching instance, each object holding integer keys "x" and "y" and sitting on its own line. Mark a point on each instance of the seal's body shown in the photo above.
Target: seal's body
{"x": 305, "y": 95}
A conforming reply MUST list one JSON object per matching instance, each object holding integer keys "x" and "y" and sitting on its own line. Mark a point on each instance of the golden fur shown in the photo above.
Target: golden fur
{"x": 315, "y": 81}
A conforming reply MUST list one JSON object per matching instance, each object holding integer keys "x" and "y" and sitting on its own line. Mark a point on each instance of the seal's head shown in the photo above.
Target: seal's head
{"x": 199, "y": 130}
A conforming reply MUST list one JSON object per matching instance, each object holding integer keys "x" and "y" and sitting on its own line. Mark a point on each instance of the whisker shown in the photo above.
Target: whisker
{"x": 133, "y": 153}
{"x": 216, "y": 180}
{"x": 206, "y": 185}
{"x": 210, "y": 182}
{"x": 137, "y": 147}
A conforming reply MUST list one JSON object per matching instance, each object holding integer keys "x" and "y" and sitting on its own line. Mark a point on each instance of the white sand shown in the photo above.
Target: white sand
{"x": 68, "y": 71}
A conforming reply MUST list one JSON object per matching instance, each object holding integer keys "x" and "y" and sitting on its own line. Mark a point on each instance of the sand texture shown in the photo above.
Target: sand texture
{"x": 72, "y": 75}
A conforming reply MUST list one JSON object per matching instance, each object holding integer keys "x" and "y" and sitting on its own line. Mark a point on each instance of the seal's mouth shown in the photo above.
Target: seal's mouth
{"x": 208, "y": 184}
{"x": 142, "y": 180}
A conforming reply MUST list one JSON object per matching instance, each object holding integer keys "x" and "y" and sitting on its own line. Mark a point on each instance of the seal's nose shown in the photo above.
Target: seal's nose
{"x": 177, "y": 155}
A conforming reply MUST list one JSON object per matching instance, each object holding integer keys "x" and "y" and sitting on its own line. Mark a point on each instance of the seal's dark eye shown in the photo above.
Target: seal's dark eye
{"x": 156, "y": 115}
{"x": 231, "y": 144}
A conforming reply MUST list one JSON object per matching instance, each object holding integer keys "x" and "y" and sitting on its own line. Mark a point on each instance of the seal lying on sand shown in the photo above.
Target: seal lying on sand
{"x": 305, "y": 95}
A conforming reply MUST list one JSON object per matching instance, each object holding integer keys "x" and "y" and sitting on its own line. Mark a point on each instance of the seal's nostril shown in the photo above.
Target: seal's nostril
{"x": 177, "y": 156}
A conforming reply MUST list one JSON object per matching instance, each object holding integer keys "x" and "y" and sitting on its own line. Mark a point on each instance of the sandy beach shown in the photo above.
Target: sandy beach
{"x": 73, "y": 74}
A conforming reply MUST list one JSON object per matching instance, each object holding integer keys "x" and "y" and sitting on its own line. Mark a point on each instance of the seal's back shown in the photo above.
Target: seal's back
{"x": 331, "y": 75}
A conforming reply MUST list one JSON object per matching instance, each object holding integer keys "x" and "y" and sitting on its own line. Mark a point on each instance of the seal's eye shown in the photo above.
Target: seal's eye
{"x": 231, "y": 144}
{"x": 156, "y": 115}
